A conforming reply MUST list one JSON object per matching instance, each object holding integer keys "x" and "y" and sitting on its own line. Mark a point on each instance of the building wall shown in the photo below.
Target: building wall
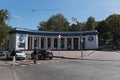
{"x": 18, "y": 43}
{"x": 22, "y": 40}
{"x": 15, "y": 43}
{"x": 12, "y": 41}
{"x": 91, "y": 43}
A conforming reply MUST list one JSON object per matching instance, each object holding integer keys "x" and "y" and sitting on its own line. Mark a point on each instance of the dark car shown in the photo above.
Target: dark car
{"x": 1, "y": 52}
{"x": 43, "y": 54}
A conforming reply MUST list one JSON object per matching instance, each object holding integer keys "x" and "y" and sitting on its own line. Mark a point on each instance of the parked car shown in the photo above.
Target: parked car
{"x": 43, "y": 54}
{"x": 1, "y": 52}
{"x": 19, "y": 54}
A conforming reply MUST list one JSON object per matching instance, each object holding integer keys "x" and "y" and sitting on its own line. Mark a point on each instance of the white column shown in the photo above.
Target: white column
{"x": 45, "y": 42}
{"x": 15, "y": 41}
{"x": 26, "y": 42}
{"x": 52, "y": 43}
{"x": 65, "y": 43}
{"x": 32, "y": 42}
{"x": 38, "y": 42}
{"x": 39, "y": 46}
{"x": 96, "y": 41}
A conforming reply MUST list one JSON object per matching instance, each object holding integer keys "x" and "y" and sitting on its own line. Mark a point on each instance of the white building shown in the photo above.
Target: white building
{"x": 29, "y": 39}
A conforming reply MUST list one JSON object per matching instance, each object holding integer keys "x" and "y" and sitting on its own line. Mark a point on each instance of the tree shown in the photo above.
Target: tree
{"x": 90, "y": 24}
{"x": 78, "y": 27}
{"x": 4, "y": 15}
{"x": 42, "y": 25}
{"x": 4, "y": 35}
{"x": 55, "y": 23}
{"x": 113, "y": 24}
{"x": 4, "y": 28}
{"x": 104, "y": 32}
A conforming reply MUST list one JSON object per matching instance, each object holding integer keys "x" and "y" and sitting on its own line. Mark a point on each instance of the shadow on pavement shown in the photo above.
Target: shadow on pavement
{"x": 3, "y": 59}
{"x": 82, "y": 58}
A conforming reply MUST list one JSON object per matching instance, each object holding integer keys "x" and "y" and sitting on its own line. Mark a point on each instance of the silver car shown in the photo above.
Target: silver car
{"x": 19, "y": 54}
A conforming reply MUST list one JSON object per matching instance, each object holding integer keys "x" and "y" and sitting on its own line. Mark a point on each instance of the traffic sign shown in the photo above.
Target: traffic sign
{"x": 59, "y": 41}
{"x": 59, "y": 36}
{"x": 81, "y": 39}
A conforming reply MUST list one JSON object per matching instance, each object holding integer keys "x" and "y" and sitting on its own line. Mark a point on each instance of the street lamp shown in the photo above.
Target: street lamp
{"x": 81, "y": 44}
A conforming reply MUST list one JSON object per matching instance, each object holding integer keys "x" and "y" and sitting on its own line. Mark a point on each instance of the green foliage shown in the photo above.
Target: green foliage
{"x": 78, "y": 27}
{"x": 109, "y": 29}
{"x": 55, "y": 23}
{"x": 4, "y": 15}
{"x": 90, "y": 24}
{"x": 4, "y": 35}
{"x": 4, "y": 28}
{"x": 113, "y": 24}
{"x": 104, "y": 32}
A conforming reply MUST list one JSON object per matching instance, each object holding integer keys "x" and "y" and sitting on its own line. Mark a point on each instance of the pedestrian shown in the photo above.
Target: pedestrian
{"x": 35, "y": 56}
{"x": 13, "y": 54}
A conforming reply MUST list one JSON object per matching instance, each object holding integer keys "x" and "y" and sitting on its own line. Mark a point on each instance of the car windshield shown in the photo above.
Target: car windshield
{"x": 48, "y": 51}
{"x": 1, "y": 50}
{"x": 41, "y": 51}
{"x": 18, "y": 51}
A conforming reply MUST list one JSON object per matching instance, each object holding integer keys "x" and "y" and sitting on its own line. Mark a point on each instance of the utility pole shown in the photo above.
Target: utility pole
{"x": 81, "y": 45}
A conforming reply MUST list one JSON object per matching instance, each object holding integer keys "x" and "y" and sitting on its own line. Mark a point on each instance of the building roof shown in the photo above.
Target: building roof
{"x": 52, "y": 33}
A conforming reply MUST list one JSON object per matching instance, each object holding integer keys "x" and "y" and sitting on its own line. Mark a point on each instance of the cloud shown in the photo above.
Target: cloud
{"x": 113, "y": 6}
{"x": 115, "y": 10}
{"x": 111, "y": 3}
{"x": 16, "y": 17}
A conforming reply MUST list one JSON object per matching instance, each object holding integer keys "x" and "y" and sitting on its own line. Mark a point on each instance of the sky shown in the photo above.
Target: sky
{"x": 29, "y": 13}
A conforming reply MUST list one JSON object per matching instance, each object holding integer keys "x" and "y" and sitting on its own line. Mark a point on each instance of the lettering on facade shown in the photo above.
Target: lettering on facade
{"x": 21, "y": 40}
{"x": 90, "y": 38}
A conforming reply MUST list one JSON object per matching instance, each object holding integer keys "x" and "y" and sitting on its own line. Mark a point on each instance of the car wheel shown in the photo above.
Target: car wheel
{"x": 42, "y": 57}
{"x": 50, "y": 58}
{"x": 24, "y": 58}
{"x": 32, "y": 57}
{"x": 7, "y": 58}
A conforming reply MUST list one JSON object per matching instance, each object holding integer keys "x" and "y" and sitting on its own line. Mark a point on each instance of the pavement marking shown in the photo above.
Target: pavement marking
{"x": 14, "y": 75}
{"x": 30, "y": 62}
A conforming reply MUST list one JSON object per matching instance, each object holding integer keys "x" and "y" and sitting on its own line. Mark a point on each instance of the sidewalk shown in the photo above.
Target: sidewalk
{"x": 89, "y": 54}
{"x": 105, "y": 55}
{"x": 72, "y": 54}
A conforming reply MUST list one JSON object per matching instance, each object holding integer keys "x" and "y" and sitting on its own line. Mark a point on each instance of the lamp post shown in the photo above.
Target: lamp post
{"x": 81, "y": 45}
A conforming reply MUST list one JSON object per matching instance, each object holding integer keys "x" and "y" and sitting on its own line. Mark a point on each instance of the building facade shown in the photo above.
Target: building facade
{"x": 25, "y": 39}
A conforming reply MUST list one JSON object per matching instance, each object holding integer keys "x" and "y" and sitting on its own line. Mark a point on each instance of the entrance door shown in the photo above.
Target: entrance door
{"x": 75, "y": 43}
{"x": 29, "y": 43}
{"x": 69, "y": 43}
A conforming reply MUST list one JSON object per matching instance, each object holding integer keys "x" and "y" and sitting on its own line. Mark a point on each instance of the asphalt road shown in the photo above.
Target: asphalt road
{"x": 71, "y": 70}
{"x": 96, "y": 66}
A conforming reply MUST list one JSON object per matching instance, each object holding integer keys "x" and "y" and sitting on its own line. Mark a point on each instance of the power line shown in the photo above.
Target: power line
{"x": 50, "y": 9}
